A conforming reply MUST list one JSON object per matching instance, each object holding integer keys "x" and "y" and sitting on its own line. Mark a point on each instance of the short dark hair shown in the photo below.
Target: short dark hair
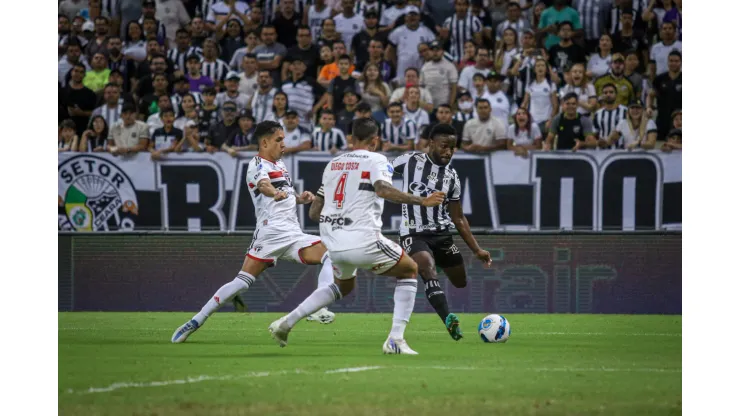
{"x": 326, "y": 111}
{"x": 364, "y": 128}
{"x": 68, "y": 124}
{"x": 266, "y": 128}
{"x": 250, "y": 55}
{"x": 675, "y": 53}
{"x": 344, "y": 57}
{"x": 109, "y": 85}
{"x": 411, "y": 69}
{"x": 73, "y": 42}
{"x": 570, "y": 95}
{"x": 482, "y": 100}
{"x": 267, "y": 27}
{"x": 166, "y": 110}
{"x": 565, "y": 23}
{"x": 447, "y": 106}
{"x": 182, "y": 30}
{"x": 609, "y": 84}
{"x": 128, "y": 108}
{"x": 441, "y": 130}
{"x": 304, "y": 27}
{"x": 395, "y": 104}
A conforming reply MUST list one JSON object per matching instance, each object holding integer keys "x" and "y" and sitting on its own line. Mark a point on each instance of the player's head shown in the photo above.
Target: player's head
{"x": 442, "y": 144}
{"x": 365, "y": 134}
{"x": 271, "y": 139}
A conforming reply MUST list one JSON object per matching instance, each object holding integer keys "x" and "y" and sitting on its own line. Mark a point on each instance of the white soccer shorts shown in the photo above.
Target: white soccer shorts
{"x": 378, "y": 256}
{"x": 269, "y": 245}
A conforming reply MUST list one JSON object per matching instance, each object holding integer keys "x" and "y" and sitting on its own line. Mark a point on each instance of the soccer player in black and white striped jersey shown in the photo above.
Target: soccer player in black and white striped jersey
{"x": 426, "y": 232}
{"x": 607, "y": 118}
{"x": 326, "y": 137}
{"x": 397, "y": 132}
{"x": 460, "y": 28}
{"x": 184, "y": 48}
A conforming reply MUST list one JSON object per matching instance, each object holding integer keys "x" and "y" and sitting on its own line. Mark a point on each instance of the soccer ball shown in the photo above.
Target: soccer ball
{"x": 494, "y": 328}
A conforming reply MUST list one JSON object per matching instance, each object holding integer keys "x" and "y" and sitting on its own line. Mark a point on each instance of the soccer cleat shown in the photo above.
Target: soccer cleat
{"x": 323, "y": 315}
{"x": 279, "y": 331}
{"x": 397, "y": 346}
{"x": 239, "y": 305}
{"x": 453, "y": 326}
{"x": 184, "y": 331}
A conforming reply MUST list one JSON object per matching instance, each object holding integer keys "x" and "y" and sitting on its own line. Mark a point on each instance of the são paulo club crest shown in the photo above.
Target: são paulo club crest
{"x": 95, "y": 195}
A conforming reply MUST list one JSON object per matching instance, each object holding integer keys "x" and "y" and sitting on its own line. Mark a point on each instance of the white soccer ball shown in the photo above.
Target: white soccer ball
{"x": 494, "y": 328}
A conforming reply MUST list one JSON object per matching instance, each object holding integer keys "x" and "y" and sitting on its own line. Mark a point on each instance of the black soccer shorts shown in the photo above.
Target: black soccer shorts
{"x": 441, "y": 247}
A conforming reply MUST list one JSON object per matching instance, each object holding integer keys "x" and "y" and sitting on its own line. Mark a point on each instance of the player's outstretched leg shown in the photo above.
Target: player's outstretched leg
{"x": 244, "y": 279}
{"x": 435, "y": 294}
{"x": 403, "y": 297}
{"x": 326, "y": 278}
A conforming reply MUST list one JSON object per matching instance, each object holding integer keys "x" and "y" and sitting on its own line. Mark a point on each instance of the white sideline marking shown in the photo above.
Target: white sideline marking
{"x": 352, "y": 370}
{"x": 590, "y": 334}
{"x": 202, "y": 378}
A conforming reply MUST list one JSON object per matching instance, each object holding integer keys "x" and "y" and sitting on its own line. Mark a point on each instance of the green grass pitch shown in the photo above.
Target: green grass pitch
{"x": 124, "y": 364}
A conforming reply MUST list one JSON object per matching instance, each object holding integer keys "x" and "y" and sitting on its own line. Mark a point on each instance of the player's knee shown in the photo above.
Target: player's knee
{"x": 411, "y": 271}
{"x": 427, "y": 272}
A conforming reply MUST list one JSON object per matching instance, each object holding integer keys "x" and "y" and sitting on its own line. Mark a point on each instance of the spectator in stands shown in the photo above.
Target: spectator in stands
{"x": 500, "y": 107}
{"x": 112, "y": 105}
{"x": 251, "y": 40}
{"x": 317, "y": 13}
{"x": 270, "y": 54}
{"x": 167, "y": 138}
{"x": 255, "y": 17}
{"x": 363, "y": 110}
{"x": 261, "y": 104}
{"x": 97, "y": 77}
{"x": 523, "y": 135}
{"x": 196, "y": 80}
{"x": 483, "y": 133}
{"x": 667, "y": 89}
{"x": 147, "y": 103}
{"x": 443, "y": 116}
{"x": 424, "y": 19}
{"x": 541, "y": 96}
{"x": 673, "y": 142}
{"x": 412, "y": 108}
{"x": 552, "y": 16}
{"x": 391, "y": 13}
{"x": 440, "y": 76}
{"x": 459, "y": 28}
{"x": 507, "y": 52}
{"x": 63, "y": 34}
{"x": 71, "y": 8}
{"x": 159, "y": 66}
{"x": 579, "y": 85}
{"x": 635, "y": 130}
{"x": 514, "y": 21}
{"x": 154, "y": 121}
{"x": 100, "y": 42}
{"x": 659, "y": 12}
{"x": 326, "y": 58}
{"x": 569, "y": 130}
{"x": 208, "y": 113}
{"x": 676, "y": 119}
{"x": 329, "y": 34}
{"x": 424, "y": 53}
{"x": 348, "y": 23}
{"x": 128, "y": 135}
{"x": 340, "y": 83}
{"x": 482, "y": 66}
{"x": 183, "y": 48}
{"x": 116, "y": 78}
{"x": 479, "y": 86}
{"x": 288, "y": 20}
{"x": 397, "y": 133}
{"x": 225, "y": 11}
{"x": 116, "y": 59}
{"x": 79, "y": 100}
{"x": 243, "y": 139}
{"x": 198, "y": 32}
{"x": 331, "y": 71}
{"x": 67, "y": 139}
{"x": 411, "y": 79}
{"x": 633, "y": 73}
{"x": 377, "y": 57}
{"x": 248, "y": 76}
{"x": 477, "y": 10}
{"x": 600, "y": 62}
{"x": 182, "y": 88}
{"x": 625, "y": 93}
{"x": 469, "y": 56}
{"x": 627, "y": 39}
{"x": 223, "y": 130}
{"x": 403, "y": 42}
{"x": 173, "y": 16}
{"x": 326, "y": 137}
{"x": 212, "y": 67}
{"x": 297, "y": 139}
{"x": 189, "y": 115}
{"x": 360, "y": 46}
{"x": 345, "y": 116}
{"x": 611, "y": 113}
{"x": 373, "y": 90}
{"x": 230, "y": 40}
{"x": 72, "y": 57}
{"x": 304, "y": 51}
{"x": 537, "y": 11}
{"x": 466, "y": 105}
{"x": 95, "y": 139}
{"x": 565, "y": 53}
{"x": 232, "y": 93}
{"x": 304, "y": 93}
{"x": 594, "y": 15}
{"x": 280, "y": 106}
{"x": 135, "y": 46}
{"x": 660, "y": 52}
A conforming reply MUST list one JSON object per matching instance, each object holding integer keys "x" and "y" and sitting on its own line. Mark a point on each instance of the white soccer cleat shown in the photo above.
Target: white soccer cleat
{"x": 397, "y": 346}
{"x": 182, "y": 333}
{"x": 323, "y": 315}
{"x": 279, "y": 331}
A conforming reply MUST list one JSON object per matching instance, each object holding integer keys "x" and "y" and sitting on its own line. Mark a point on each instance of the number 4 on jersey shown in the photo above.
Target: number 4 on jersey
{"x": 339, "y": 191}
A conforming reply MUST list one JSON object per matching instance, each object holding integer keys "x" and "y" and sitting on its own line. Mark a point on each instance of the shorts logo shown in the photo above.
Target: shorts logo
{"x": 95, "y": 195}
{"x": 407, "y": 243}
{"x": 454, "y": 249}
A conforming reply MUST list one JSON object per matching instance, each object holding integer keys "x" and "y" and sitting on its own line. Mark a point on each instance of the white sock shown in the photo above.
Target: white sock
{"x": 224, "y": 294}
{"x": 326, "y": 274}
{"x": 403, "y": 298}
{"x": 323, "y": 296}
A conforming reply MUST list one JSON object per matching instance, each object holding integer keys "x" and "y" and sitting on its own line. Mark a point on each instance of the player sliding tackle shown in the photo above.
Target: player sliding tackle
{"x": 425, "y": 232}
{"x": 278, "y": 234}
{"x": 356, "y": 184}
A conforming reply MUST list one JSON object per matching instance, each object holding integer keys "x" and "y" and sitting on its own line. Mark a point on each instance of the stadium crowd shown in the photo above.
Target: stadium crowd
{"x": 198, "y": 75}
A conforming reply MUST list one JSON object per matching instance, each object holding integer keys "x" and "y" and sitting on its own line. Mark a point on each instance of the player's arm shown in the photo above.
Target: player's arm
{"x": 266, "y": 189}
{"x": 461, "y": 223}
{"x": 314, "y": 212}
{"x": 386, "y": 191}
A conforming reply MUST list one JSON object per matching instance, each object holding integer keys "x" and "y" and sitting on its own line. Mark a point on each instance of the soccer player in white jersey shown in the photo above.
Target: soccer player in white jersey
{"x": 356, "y": 184}
{"x": 278, "y": 234}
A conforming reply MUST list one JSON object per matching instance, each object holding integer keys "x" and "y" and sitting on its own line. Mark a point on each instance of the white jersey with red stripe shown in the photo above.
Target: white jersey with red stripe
{"x": 352, "y": 211}
{"x": 276, "y": 215}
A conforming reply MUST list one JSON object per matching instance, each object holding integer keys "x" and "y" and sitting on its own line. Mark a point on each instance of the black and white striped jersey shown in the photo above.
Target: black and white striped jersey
{"x": 363, "y": 6}
{"x": 216, "y": 70}
{"x": 461, "y": 30}
{"x": 177, "y": 102}
{"x": 178, "y": 58}
{"x": 420, "y": 117}
{"x": 325, "y": 140}
{"x": 204, "y": 7}
{"x": 463, "y": 117}
{"x": 110, "y": 115}
{"x": 262, "y": 105}
{"x": 398, "y": 134}
{"x": 421, "y": 177}
{"x": 605, "y": 121}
